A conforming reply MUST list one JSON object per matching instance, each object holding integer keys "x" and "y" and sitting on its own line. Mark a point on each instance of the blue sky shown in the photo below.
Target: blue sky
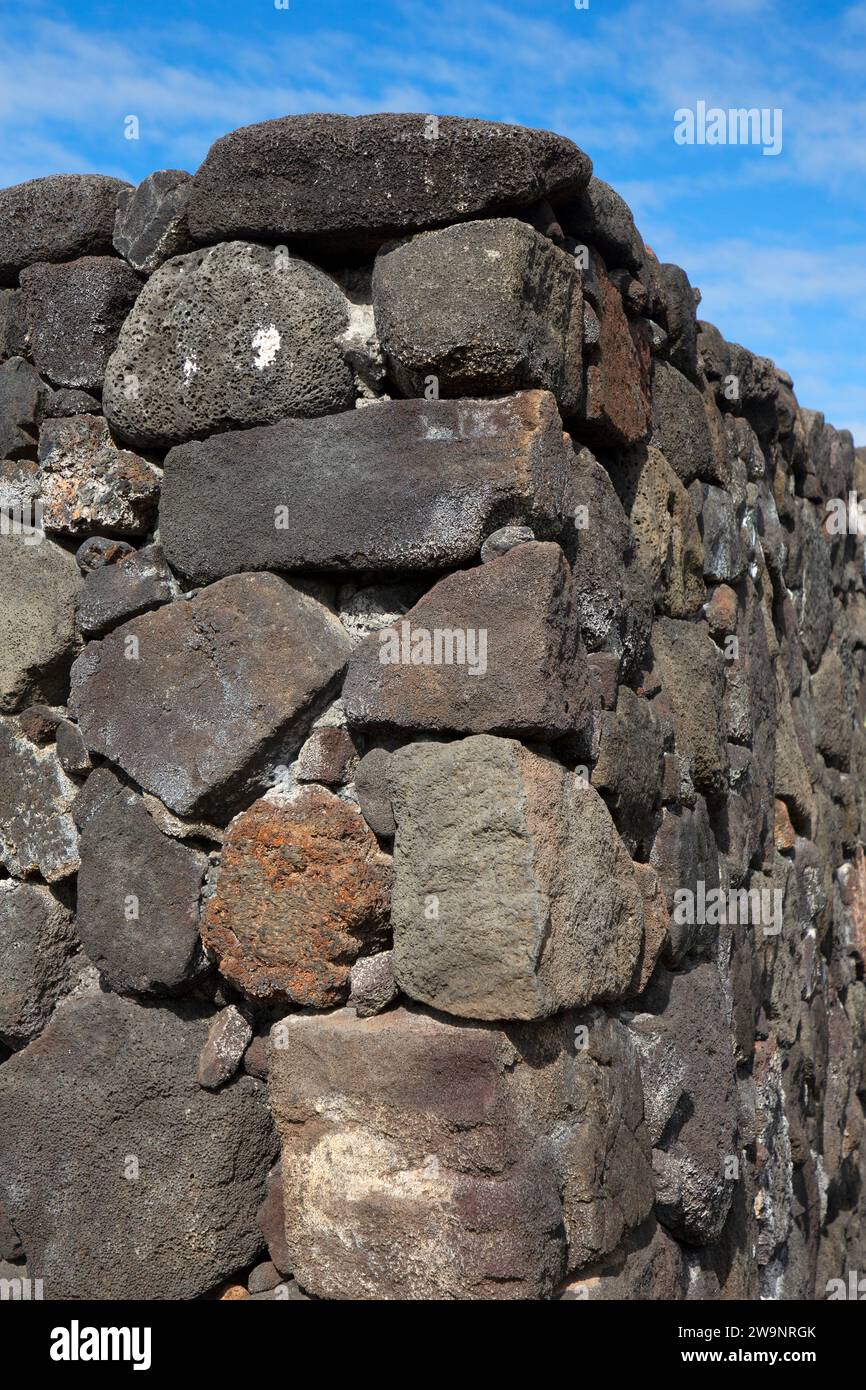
{"x": 777, "y": 245}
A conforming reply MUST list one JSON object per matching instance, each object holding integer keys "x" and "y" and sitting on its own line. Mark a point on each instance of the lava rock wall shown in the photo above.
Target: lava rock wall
{"x": 432, "y": 754}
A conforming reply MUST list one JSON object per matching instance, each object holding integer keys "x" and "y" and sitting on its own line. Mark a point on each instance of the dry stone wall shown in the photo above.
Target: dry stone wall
{"x": 432, "y": 694}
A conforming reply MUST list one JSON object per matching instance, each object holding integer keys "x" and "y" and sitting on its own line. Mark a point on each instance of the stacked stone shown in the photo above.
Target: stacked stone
{"x": 429, "y": 622}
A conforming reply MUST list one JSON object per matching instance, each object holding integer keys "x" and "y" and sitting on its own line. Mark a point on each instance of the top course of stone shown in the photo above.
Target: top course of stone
{"x": 342, "y": 184}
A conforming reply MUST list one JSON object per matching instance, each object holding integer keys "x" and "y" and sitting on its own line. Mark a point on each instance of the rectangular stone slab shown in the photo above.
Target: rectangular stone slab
{"x": 403, "y": 485}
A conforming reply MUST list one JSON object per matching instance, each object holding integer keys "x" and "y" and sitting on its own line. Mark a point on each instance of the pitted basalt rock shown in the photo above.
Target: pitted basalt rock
{"x": 37, "y": 947}
{"x": 110, "y": 1089}
{"x": 514, "y": 896}
{"x": 494, "y": 649}
{"x": 303, "y": 889}
{"x": 406, "y": 485}
{"x": 668, "y": 541}
{"x": 346, "y": 184}
{"x": 224, "y": 338}
{"x": 467, "y": 1161}
{"x": 87, "y": 482}
{"x": 229, "y": 676}
{"x": 483, "y": 308}
{"x": 75, "y": 312}
{"x": 138, "y": 892}
{"x": 41, "y": 585}
{"x": 56, "y": 219}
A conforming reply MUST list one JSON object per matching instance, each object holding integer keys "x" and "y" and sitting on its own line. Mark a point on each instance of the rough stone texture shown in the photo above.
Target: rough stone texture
{"x": 541, "y": 913}
{"x": 37, "y": 832}
{"x": 617, "y": 409}
{"x": 151, "y": 226}
{"x": 110, "y": 1081}
{"x": 342, "y": 183}
{"x": 37, "y": 944}
{"x": 138, "y": 892}
{"x": 373, "y": 790}
{"x": 23, "y": 394}
{"x": 483, "y": 308}
{"x": 628, "y": 768}
{"x": 408, "y": 485}
{"x": 75, "y": 312}
{"x": 56, "y": 219}
{"x": 227, "y": 1039}
{"x": 676, "y": 628}
{"x": 303, "y": 889}
{"x": 429, "y": 1159}
{"x": 692, "y": 670}
{"x": 669, "y": 546}
{"x": 86, "y": 482}
{"x": 614, "y": 602}
{"x": 690, "y": 1101}
{"x": 114, "y": 593}
{"x": 229, "y": 674}
{"x": 680, "y": 428}
{"x": 372, "y": 984}
{"x": 41, "y": 584}
{"x": 223, "y": 338}
{"x": 601, "y": 218}
{"x": 489, "y": 650}
{"x": 648, "y": 1265}
{"x": 329, "y": 755}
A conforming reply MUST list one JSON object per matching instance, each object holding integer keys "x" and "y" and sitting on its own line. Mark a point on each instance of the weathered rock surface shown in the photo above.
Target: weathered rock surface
{"x": 429, "y": 1159}
{"x": 614, "y": 602}
{"x": 228, "y": 674}
{"x": 407, "y": 485}
{"x": 138, "y": 892}
{"x": 227, "y": 1040}
{"x": 75, "y": 312}
{"x": 693, "y": 674}
{"x": 303, "y": 889}
{"x": 513, "y": 894}
{"x": 113, "y": 593}
{"x": 617, "y": 408}
{"x": 86, "y": 482}
{"x": 150, "y": 226}
{"x": 372, "y": 984}
{"x": 124, "y": 1177}
{"x": 483, "y": 308}
{"x": 41, "y": 585}
{"x": 668, "y": 542}
{"x": 37, "y": 945}
{"x": 37, "y": 832}
{"x": 23, "y": 394}
{"x": 628, "y": 768}
{"x": 228, "y": 337}
{"x": 348, "y": 183}
{"x": 56, "y": 219}
{"x": 687, "y": 1068}
{"x": 600, "y": 217}
{"x": 493, "y": 649}
{"x": 680, "y": 427}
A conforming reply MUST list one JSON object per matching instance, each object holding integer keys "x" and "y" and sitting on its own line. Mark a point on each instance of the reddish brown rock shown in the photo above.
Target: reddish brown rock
{"x": 656, "y": 924}
{"x": 617, "y": 404}
{"x": 303, "y": 890}
{"x": 721, "y": 611}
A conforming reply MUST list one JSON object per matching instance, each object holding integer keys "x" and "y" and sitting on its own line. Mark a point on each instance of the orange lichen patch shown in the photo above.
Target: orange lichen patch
{"x": 303, "y": 890}
{"x": 784, "y": 832}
